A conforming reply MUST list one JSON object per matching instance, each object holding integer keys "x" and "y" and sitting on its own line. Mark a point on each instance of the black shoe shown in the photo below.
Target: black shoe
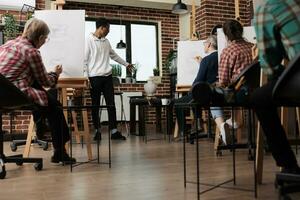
{"x": 62, "y": 157}
{"x": 97, "y": 136}
{"x": 192, "y": 138}
{"x": 117, "y": 136}
{"x": 293, "y": 170}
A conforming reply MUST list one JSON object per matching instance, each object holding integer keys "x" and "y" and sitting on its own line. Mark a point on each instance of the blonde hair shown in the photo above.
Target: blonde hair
{"x": 34, "y": 29}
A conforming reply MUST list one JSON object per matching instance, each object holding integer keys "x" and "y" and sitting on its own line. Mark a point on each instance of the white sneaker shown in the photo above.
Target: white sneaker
{"x": 229, "y": 122}
{"x": 224, "y": 132}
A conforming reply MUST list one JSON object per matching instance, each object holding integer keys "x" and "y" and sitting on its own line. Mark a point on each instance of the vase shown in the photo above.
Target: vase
{"x": 128, "y": 80}
{"x": 150, "y": 88}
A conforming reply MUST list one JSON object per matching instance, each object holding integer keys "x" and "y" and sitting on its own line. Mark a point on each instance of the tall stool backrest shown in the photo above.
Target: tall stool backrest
{"x": 287, "y": 88}
{"x": 250, "y": 75}
{"x": 11, "y": 97}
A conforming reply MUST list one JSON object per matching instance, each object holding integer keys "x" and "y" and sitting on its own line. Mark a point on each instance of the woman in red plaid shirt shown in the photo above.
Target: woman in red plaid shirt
{"x": 21, "y": 63}
{"x": 234, "y": 58}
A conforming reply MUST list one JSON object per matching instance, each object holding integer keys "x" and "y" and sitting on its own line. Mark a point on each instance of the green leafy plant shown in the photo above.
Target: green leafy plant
{"x": 116, "y": 70}
{"x": 135, "y": 69}
{"x": 156, "y": 71}
{"x": 170, "y": 57}
{"x": 10, "y": 29}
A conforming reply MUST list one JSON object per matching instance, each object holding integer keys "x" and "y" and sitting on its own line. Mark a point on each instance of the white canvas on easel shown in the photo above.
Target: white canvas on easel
{"x": 187, "y": 66}
{"x": 249, "y": 35}
{"x": 66, "y": 44}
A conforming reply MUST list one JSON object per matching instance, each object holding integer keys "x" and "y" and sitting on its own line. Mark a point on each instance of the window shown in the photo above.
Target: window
{"x": 144, "y": 49}
{"x": 142, "y": 45}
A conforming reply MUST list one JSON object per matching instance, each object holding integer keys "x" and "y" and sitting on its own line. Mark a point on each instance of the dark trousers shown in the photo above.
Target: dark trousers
{"x": 266, "y": 111}
{"x": 103, "y": 84}
{"x": 56, "y": 119}
{"x": 181, "y": 113}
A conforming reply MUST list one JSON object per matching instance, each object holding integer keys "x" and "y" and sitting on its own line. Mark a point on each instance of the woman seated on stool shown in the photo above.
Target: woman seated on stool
{"x": 21, "y": 63}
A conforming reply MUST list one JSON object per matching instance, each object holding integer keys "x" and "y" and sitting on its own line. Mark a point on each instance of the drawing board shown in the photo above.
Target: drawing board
{"x": 66, "y": 44}
{"x": 187, "y": 65}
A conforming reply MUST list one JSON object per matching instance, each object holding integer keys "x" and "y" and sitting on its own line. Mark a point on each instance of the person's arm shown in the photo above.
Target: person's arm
{"x": 113, "y": 55}
{"x": 86, "y": 58}
{"x": 270, "y": 56}
{"x": 201, "y": 75}
{"x": 39, "y": 71}
{"x": 225, "y": 68}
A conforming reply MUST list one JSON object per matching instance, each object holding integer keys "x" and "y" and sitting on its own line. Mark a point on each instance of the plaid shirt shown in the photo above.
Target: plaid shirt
{"x": 277, "y": 26}
{"x": 21, "y": 63}
{"x": 234, "y": 58}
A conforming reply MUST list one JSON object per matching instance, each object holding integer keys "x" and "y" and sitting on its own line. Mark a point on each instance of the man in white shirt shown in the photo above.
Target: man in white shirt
{"x": 98, "y": 51}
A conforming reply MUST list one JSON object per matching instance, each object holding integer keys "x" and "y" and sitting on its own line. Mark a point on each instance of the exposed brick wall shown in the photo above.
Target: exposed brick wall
{"x": 169, "y": 30}
{"x": 213, "y": 12}
{"x": 210, "y": 13}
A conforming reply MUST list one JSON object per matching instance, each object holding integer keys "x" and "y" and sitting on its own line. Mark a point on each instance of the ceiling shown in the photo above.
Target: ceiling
{"x": 158, "y": 4}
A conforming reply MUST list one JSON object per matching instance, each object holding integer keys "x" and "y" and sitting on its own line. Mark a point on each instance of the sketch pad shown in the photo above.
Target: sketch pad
{"x": 66, "y": 44}
{"x": 187, "y": 66}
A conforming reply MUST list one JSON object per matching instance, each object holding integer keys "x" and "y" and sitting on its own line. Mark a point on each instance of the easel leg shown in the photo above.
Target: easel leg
{"x": 86, "y": 133}
{"x": 75, "y": 125}
{"x": 30, "y": 134}
{"x": 259, "y": 154}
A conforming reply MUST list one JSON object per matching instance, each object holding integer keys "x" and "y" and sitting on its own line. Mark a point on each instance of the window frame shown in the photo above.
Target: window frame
{"x": 128, "y": 38}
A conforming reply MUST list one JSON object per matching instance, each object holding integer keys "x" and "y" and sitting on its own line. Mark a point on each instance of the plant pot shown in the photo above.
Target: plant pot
{"x": 150, "y": 88}
{"x": 128, "y": 80}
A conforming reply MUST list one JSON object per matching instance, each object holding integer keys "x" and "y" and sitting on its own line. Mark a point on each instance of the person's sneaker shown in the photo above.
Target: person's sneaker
{"x": 62, "y": 157}
{"x": 117, "y": 136}
{"x": 224, "y": 132}
{"x": 97, "y": 136}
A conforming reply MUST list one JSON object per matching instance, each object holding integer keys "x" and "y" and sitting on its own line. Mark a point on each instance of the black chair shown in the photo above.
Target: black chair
{"x": 248, "y": 80}
{"x": 286, "y": 93}
{"x": 204, "y": 96}
{"x": 11, "y": 98}
{"x": 40, "y": 133}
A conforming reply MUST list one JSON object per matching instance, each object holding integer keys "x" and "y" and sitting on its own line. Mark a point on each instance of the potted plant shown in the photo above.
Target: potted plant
{"x": 169, "y": 62}
{"x": 156, "y": 71}
{"x": 134, "y": 72}
{"x": 116, "y": 70}
{"x": 10, "y": 29}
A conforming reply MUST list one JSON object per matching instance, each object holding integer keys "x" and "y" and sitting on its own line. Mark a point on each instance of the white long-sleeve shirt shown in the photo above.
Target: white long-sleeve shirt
{"x": 97, "y": 55}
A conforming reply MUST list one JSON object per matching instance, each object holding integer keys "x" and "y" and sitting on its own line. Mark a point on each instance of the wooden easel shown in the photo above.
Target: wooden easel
{"x": 57, "y": 5}
{"x": 76, "y": 83}
{"x": 185, "y": 88}
{"x": 193, "y": 34}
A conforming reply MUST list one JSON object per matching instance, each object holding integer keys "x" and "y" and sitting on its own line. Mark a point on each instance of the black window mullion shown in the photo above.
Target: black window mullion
{"x": 128, "y": 45}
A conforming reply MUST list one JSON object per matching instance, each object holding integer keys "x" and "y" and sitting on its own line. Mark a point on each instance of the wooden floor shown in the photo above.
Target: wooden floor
{"x": 152, "y": 171}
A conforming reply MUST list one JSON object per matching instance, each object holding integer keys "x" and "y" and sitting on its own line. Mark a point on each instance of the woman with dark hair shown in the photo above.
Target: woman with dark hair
{"x": 215, "y": 29}
{"x": 236, "y": 56}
